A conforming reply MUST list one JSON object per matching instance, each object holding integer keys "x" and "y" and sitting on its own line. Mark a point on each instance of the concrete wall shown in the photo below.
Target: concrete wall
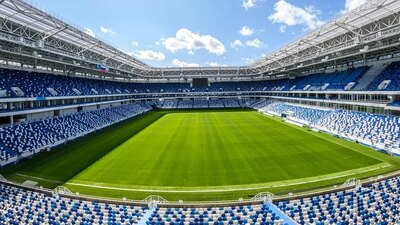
{"x": 65, "y": 112}
{"x": 89, "y": 108}
{"x": 38, "y": 116}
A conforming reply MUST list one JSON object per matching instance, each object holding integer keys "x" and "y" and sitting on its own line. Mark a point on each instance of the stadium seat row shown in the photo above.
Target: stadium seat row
{"x": 32, "y": 84}
{"x": 30, "y": 137}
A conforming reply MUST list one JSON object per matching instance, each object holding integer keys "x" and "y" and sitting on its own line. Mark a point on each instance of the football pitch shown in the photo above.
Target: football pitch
{"x": 202, "y": 155}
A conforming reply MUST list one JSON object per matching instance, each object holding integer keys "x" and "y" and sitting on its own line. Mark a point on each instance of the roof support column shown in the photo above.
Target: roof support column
{"x": 35, "y": 64}
{"x": 364, "y": 59}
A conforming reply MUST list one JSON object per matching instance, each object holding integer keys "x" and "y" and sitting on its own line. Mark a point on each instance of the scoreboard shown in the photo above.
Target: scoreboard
{"x": 199, "y": 82}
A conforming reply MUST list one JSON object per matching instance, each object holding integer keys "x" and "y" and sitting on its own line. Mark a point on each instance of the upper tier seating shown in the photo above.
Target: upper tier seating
{"x": 316, "y": 82}
{"x": 32, "y": 84}
{"x": 37, "y": 84}
{"x": 392, "y": 74}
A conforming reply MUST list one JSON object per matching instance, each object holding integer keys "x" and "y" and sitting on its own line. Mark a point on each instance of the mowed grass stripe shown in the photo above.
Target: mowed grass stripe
{"x": 220, "y": 149}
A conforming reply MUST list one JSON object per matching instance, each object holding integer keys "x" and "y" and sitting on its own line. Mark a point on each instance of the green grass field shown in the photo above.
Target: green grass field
{"x": 202, "y": 155}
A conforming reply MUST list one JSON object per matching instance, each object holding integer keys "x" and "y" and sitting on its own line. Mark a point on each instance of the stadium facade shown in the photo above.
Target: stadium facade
{"x": 342, "y": 78}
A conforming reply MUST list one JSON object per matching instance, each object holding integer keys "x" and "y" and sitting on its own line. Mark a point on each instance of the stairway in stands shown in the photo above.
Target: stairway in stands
{"x": 369, "y": 76}
{"x": 145, "y": 217}
{"x": 286, "y": 219}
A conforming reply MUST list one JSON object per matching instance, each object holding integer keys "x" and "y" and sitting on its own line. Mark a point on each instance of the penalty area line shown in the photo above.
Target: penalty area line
{"x": 39, "y": 178}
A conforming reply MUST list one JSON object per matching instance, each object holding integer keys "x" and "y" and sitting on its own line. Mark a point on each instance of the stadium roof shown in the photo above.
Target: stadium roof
{"x": 32, "y": 36}
{"x": 373, "y": 21}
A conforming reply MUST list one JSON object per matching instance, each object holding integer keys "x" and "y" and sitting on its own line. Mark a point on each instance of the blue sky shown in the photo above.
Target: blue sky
{"x": 197, "y": 32}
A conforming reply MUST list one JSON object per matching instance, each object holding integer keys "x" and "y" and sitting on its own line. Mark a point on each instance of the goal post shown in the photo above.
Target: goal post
{"x": 265, "y": 197}
{"x": 153, "y": 200}
{"x": 352, "y": 182}
{"x": 61, "y": 190}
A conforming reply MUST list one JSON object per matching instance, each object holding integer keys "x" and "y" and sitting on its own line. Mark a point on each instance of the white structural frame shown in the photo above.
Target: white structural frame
{"x": 61, "y": 190}
{"x": 357, "y": 31}
{"x": 34, "y": 38}
{"x": 352, "y": 182}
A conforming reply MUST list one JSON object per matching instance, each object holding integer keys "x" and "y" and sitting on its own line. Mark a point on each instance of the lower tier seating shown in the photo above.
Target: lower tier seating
{"x": 355, "y": 206}
{"x": 379, "y": 131}
{"x": 374, "y": 204}
{"x": 20, "y": 206}
{"x": 201, "y": 104}
{"x": 25, "y": 138}
{"x": 375, "y": 130}
{"x": 252, "y": 214}
{"x": 304, "y": 114}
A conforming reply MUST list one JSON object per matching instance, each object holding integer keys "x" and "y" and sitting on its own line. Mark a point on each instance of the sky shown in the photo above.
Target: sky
{"x": 165, "y": 33}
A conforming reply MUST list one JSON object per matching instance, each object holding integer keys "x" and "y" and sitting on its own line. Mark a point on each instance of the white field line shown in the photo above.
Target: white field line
{"x": 220, "y": 190}
{"x": 39, "y": 178}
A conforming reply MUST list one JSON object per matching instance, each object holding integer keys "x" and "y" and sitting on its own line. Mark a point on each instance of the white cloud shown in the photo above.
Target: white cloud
{"x": 186, "y": 39}
{"x": 150, "y": 55}
{"x": 352, "y": 4}
{"x": 246, "y": 31}
{"x": 135, "y": 44}
{"x": 291, "y": 15}
{"x": 107, "y": 31}
{"x": 248, "y": 60}
{"x": 247, "y": 4}
{"x": 236, "y": 43}
{"x": 256, "y": 43}
{"x": 216, "y": 64}
{"x": 177, "y": 62}
{"x": 89, "y": 32}
{"x": 282, "y": 28}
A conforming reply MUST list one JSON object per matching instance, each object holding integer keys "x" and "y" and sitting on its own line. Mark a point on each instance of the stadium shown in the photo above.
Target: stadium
{"x": 305, "y": 134}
